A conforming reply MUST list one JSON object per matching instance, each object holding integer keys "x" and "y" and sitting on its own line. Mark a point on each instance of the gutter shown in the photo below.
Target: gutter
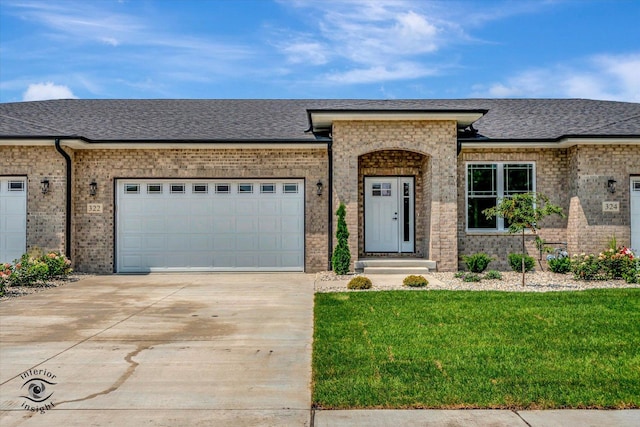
{"x": 330, "y": 203}
{"x": 67, "y": 234}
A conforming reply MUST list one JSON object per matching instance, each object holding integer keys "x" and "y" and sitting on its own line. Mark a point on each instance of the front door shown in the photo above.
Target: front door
{"x": 389, "y": 214}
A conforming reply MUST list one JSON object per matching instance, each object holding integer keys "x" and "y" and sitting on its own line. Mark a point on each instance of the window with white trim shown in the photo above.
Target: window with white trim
{"x": 487, "y": 183}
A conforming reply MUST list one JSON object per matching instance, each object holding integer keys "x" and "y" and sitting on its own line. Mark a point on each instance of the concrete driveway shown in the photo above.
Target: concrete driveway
{"x": 160, "y": 349}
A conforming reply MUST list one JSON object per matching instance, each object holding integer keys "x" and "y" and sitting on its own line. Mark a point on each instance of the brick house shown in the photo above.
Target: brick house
{"x": 244, "y": 185}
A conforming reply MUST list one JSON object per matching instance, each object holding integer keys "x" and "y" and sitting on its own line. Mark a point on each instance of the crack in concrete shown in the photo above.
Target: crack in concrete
{"x": 124, "y": 377}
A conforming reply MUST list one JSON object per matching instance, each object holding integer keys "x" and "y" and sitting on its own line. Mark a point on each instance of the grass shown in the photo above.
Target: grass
{"x": 455, "y": 349}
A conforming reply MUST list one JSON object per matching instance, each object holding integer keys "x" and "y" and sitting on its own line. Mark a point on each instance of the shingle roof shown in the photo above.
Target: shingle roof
{"x": 280, "y": 119}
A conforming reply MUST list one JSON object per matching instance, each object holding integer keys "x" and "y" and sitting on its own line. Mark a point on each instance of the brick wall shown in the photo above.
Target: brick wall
{"x": 94, "y": 233}
{"x": 45, "y": 212}
{"x": 575, "y": 179}
{"x": 436, "y": 140}
{"x": 589, "y": 227}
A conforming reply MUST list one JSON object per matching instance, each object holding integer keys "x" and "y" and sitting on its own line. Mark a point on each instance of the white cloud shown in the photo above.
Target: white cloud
{"x": 43, "y": 91}
{"x": 373, "y": 40}
{"x": 608, "y": 77}
{"x": 400, "y": 71}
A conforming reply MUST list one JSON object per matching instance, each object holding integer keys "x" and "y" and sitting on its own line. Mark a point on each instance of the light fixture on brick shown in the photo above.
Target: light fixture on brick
{"x": 611, "y": 186}
{"x": 319, "y": 186}
{"x": 93, "y": 187}
{"x": 44, "y": 186}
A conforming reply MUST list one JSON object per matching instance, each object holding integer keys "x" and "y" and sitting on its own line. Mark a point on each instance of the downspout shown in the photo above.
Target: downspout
{"x": 67, "y": 245}
{"x": 330, "y": 202}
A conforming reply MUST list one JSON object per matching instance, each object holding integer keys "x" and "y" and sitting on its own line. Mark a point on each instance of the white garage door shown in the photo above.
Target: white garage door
{"x": 13, "y": 218}
{"x": 210, "y": 225}
{"x": 635, "y": 213}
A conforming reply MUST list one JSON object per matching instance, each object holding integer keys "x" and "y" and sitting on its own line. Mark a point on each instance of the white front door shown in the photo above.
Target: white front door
{"x": 13, "y": 218}
{"x": 389, "y": 214}
{"x": 635, "y": 213}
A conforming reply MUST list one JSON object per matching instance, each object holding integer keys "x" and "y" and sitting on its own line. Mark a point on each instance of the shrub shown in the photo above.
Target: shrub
{"x": 58, "y": 264}
{"x": 493, "y": 275}
{"x": 471, "y": 277}
{"x": 359, "y": 282}
{"x": 341, "y": 259}
{"x": 615, "y": 263}
{"x": 414, "y": 281}
{"x": 632, "y": 275}
{"x": 34, "y": 268}
{"x": 29, "y": 271}
{"x": 459, "y": 275}
{"x": 515, "y": 261}
{"x": 559, "y": 265}
{"x": 477, "y": 263}
{"x": 587, "y": 267}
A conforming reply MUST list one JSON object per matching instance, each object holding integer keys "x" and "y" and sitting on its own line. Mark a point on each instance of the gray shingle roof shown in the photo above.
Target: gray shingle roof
{"x": 279, "y": 119}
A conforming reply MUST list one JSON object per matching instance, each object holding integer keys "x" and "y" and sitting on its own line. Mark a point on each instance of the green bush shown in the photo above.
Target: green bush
{"x": 493, "y": 275}
{"x": 632, "y": 275}
{"x": 477, "y": 263}
{"x": 341, "y": 259}
{"x": 472, "y": 277}
{"x": 34, "y": 269}
{"x": 560, "y": 265}
{"x": 359, "y": 282}
{"x": 587, "y": 267}
{"x": 459, "y": 275}
{"x": 414, "y": 281}
{"x": 515, "y": 261}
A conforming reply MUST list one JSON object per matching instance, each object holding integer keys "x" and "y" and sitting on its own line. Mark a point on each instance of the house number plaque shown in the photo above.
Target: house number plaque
{"x": 94, "y": 208}
{"x": 610, "y": 206}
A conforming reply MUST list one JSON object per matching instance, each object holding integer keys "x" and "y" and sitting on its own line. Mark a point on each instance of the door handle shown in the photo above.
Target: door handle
{"x": 395, "y": 216}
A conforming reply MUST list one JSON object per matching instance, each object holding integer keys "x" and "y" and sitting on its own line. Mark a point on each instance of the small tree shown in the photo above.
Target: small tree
{"x": 524, "y": 211}
{"x": 341, "y": 259}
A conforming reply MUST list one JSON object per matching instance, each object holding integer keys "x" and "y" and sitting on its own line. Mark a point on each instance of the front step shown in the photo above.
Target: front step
{"x": 395, "y": 266}
{"x": 395, "y": 270}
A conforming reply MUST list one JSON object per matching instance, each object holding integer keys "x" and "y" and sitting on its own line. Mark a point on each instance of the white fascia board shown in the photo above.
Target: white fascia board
{"x": 562, "y": 143}
{"x": 79, "y": 144}
{"x": 324, "y": 120}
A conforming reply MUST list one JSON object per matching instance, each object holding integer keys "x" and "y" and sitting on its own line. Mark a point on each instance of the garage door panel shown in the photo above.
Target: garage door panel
{"x": 246, "y": 243}
{"x": 154, "y": 243}
{"x": 270, "y": 224}
{"x": 13, "y": 218}
{"x": 223, "y": 224}
{"x": 269, "y": 207}
{"x": 269, "y": 242}
{"x": 224, "y": 242}
{"x": 217, "y": 229}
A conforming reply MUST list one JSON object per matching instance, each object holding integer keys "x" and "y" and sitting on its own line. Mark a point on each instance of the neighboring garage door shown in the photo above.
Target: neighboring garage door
{"x": 635, "y": 213}
{"x": 210, "y": 225}
{"x": 13, "y": 218}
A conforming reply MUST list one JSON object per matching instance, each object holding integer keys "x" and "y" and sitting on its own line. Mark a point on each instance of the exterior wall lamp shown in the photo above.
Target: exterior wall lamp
{"x": 319, "y": 186}
{"x": 44, "y": 186}
{"x": 611, "y": 186}
{"x": 93, "y": 187}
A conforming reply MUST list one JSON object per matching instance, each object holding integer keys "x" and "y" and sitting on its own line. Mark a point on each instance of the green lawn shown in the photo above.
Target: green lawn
{"x": 456, "y": 349}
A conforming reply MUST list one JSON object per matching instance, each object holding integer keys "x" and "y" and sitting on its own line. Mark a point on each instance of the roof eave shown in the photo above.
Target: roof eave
{"x": 321, "y": 120}
{"x": 564, "y": 141}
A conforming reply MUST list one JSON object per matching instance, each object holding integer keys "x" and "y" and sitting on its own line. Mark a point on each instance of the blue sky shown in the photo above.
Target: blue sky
{"x": 378, "y": 49}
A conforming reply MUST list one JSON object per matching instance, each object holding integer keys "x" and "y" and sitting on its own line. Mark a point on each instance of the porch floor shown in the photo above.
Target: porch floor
{"x": 394, "y": 265}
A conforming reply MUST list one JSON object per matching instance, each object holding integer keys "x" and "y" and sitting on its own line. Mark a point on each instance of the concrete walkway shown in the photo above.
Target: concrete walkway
{"x": 164, "y": 350}
{"x": 196, "y": 350}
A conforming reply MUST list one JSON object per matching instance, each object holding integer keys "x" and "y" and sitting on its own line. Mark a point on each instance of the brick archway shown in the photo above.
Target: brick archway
{"x": 402, "y": 163}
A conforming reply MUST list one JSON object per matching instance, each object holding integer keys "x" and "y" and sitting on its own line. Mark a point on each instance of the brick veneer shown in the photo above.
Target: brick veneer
{"x": 574, "y": 178}
{"x": 45, "y": 212}
{"x": 436, "y": 140}
{"x": 94, "y": 233}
